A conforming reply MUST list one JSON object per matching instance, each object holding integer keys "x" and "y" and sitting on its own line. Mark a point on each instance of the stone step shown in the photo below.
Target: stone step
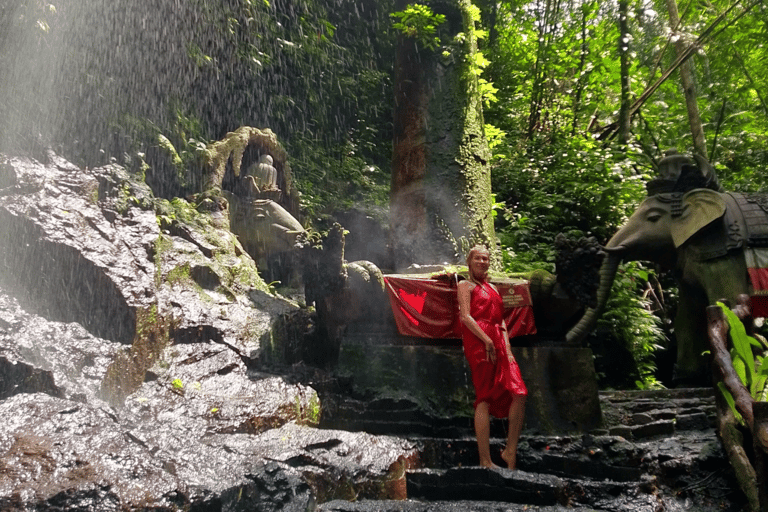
{"x": 439, "y": 506}
{"x": 517, "y": 487}
{"x": 651, "y": 413}
{"x": 632, "y": 415}
{"x": 656, "y": 451}
{"x": 600, "y": 473}
{"x": 596, "y": 458}
{"x": 476, "y": 484}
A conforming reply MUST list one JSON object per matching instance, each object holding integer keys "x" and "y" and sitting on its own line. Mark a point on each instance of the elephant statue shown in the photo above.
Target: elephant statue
{"x": 715, "y": 243}
{"x": 263, "y": 227}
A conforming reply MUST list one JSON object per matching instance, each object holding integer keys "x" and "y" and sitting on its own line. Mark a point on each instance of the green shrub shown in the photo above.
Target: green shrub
{"x": 629, "y": 321}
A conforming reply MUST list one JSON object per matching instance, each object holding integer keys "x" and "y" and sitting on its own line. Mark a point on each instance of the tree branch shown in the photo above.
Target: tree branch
{"x": 718, "y": 340}
{"x": 610, "y": 130}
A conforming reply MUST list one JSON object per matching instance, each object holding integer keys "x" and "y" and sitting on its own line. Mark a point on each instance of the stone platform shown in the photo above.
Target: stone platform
{"x": 562, "y": 384}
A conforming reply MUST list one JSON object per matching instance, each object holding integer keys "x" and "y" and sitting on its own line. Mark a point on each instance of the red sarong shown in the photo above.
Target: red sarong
{"x": 499, "y": 382}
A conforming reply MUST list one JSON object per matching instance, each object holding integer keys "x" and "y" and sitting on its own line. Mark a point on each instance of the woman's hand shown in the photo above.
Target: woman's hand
{"x": 490, "y": 351}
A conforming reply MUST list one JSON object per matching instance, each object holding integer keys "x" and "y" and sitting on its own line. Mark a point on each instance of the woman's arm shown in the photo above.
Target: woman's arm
{"x": 465, "y": 298}
{"x": 505, "y": 331}
{"x": 506, "y": 339}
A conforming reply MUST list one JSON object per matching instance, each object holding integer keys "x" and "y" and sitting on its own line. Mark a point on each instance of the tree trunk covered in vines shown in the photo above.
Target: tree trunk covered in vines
{"x": 688, "y": 84}
{"x": 625, "y": 119}
{"x": 440, "y": 202}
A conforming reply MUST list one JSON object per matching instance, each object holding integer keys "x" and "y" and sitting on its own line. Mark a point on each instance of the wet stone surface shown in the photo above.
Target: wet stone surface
{"x": 60, "y": 359}
{"x": 130, "y": 363}
{"x": 133, "y": 376}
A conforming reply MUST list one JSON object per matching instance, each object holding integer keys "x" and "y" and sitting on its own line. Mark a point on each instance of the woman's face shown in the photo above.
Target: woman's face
{"x": 479, "y": 263}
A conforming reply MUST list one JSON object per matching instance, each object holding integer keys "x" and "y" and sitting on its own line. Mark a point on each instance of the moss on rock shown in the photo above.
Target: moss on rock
{"x": 126, "y": 372}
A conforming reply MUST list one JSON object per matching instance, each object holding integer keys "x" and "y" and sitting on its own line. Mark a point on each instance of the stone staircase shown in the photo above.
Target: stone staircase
{"x": 655, "y": 450}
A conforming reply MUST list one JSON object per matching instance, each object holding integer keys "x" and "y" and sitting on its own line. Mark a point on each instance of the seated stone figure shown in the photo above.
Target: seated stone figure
{"x": 262, "y": 175}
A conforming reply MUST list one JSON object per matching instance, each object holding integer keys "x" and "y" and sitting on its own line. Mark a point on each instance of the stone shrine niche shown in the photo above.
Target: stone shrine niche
{"x": 262, "y": 171}
{"x": 250, "y": 168}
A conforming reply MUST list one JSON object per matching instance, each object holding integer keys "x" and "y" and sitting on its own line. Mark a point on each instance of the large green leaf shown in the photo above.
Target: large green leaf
{"x": 731, "y": 403}
{"x": 741, "y": 345}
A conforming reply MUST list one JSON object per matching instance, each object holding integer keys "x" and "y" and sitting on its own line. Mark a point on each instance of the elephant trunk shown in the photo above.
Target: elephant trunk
{"x": 587, "y": 322}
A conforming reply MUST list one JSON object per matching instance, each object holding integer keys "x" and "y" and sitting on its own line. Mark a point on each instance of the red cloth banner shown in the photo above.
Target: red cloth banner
{"x": 759, "y": 298}
{"x": 757, "y": 267}
{"x": 429, "y": 308}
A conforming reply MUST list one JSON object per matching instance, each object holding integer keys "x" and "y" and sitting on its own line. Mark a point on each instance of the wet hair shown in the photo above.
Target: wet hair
{"x": 470, "y": 254}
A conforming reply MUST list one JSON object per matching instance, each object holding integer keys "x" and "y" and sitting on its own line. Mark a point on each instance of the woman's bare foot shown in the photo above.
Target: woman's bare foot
{"x": 488, "y": 464}
{"x": 509, "y": 457}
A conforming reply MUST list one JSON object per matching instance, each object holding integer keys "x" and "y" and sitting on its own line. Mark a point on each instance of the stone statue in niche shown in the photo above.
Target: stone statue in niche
{"x": 249, "y": 167}
{"x": 261, "y": 176}
{"x": 239, "y": 155}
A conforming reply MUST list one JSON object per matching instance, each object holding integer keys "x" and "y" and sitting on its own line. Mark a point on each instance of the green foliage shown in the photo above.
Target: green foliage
{"x": 338, "y": 178}
{"x": 577, "y": 188}
{"x": 174, "y": 152}
{"x": 168, "y": 146}
{"x": 180, "y": 274}
{"x": 557, "y": 74}
{"x": 750, "y": 368}
{"x": 573, "y": 187}
{"x": 494, "y": 135}
{"x": 420, "y": 23}
{"x": 629, "y": 321}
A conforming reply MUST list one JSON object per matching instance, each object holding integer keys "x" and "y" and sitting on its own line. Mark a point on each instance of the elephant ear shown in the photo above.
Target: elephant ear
{"x": 700, "y": 208}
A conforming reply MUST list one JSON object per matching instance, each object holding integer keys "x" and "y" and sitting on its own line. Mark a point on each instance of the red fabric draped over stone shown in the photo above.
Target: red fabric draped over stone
{"x": 428, "y": 307}
{"x": 757, "y": 266}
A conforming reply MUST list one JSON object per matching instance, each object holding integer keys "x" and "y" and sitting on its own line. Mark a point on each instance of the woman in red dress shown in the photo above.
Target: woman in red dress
{"x": 499, "y": 388}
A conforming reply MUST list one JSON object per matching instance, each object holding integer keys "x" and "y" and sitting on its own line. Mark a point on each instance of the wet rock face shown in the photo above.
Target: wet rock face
{"x": 59, "y": 452}
{"x": 61, "y": 359}
{"x": 133, "y": 352}
{"x": 66, "y": 256}
{"x": 129, "y": 342}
